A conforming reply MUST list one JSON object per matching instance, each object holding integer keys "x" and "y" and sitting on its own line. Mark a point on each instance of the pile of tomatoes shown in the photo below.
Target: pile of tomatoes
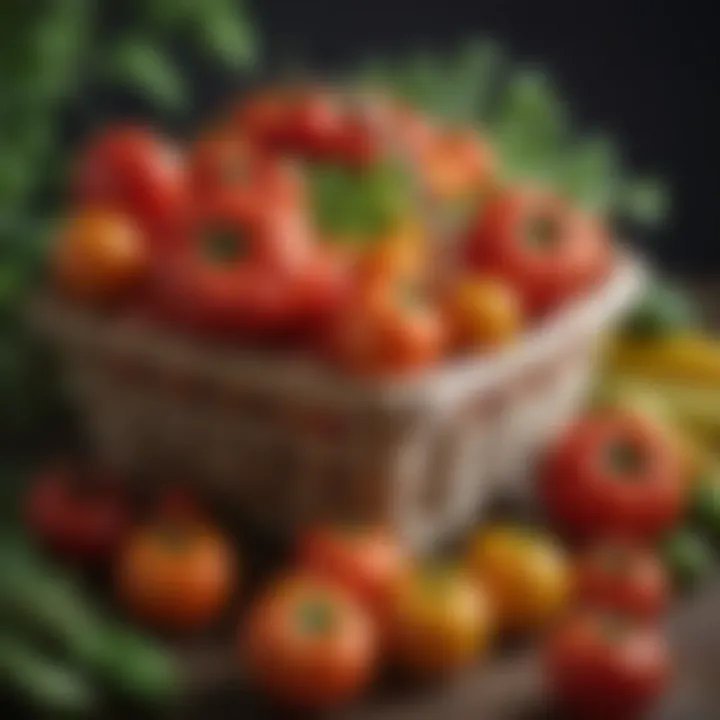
{"x": 352, "y": 602}
{"x": 307, "y": 217}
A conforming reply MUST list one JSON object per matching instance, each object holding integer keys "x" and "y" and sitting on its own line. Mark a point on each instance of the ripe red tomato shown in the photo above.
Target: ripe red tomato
{"x": 134, "y": 171}
{"x": 79, "y": 515}
{"x": 601, "y": 665}
{"x": 224, "y": 163}
{"x": 315, "y": 123}
{"x": 234, "y": 271}
{"x": 367, "y": 562}
{"x": 262, "y": 118}
{"x": 309, "y": 645}
{"x": 614, "y": 474}
{"x": 321, "y": 287}
{"x": 622, "y": 577}
{"x": 550, "y": 251}
{"x": 360, "y": 138}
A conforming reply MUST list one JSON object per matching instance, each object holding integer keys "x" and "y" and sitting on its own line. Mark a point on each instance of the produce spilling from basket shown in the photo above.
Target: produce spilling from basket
{"x": 354, "y": 229}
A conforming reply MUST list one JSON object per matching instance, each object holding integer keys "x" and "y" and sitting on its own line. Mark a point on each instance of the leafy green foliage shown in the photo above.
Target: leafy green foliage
{"x": 527, "y": 119}
{"x": 228, "y": 35}
{"x": 140, "y": 64}
{"x": 358, "y": 206}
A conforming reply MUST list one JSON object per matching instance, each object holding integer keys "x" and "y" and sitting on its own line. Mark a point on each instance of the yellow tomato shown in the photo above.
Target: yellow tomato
{"x": 525, "y": 573}
{"x": 439, "y": 620}
{"x": 483, "y": 312}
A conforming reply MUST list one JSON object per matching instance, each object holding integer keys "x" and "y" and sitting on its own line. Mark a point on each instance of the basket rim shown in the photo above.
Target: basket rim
{"x": 68, "y": 324}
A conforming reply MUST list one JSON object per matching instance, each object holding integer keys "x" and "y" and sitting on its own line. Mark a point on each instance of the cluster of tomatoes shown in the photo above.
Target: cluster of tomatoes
{"x": 353, "y": 601}
{"x": 225, "y": 238}
{"x": 618, "y": 484}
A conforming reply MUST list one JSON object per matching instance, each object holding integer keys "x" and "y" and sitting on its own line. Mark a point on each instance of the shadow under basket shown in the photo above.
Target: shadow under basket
{"x": 287, "y": 442}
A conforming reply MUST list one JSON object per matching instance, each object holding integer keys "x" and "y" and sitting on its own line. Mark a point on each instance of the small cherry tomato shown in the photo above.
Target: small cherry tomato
{"x": 623, "y": 578}
{"x": 309, "y": 645}
{"x": 367, "y": 562}
{"x": 548, "y": 250}
{"x": 526, "y": 575}
{"x": 233, "y": 272}
{"x": 601, "y": 665}
{"x": 387, "y": 328}
{"x": 615, "y": 474}
{"x": 133, "y": 171}
{"x": 439, "y": 621}
{"x": 483, "y": 312}
{"x": 176, "y": 573}
{"x": 100, "y": 256}
{"x": 77, "y": 514}
{"x": 457, "y": 163}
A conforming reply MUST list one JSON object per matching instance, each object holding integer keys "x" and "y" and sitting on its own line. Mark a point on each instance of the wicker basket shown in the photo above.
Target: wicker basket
{"x": 288, "y": 442}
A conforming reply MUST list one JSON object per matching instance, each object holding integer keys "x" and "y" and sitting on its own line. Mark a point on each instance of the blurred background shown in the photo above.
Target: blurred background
{"x": 639, "y": 71}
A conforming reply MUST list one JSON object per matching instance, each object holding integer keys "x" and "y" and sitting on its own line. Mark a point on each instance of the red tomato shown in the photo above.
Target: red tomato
{"x": 223, "y": 163}
{"x": 315, "y": 123}
{"x": 321, "y": 288}
{"x": 621, "y": 577}
{"x": 550, "y": 251}
{"x": 367, "y": 562}
{"x": 309, "y": 644}
{"x": 263, "y": 119}
{"x": 76, "y": 514}
{"x": 614, "y": 474}
{"x": 602, "y": 666}
{"x": 235, "y": 269}
{"x": 359, "y": 141}
{"x": 132, "y": 170}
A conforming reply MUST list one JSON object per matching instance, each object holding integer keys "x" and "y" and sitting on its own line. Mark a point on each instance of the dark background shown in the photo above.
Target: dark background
{"x": 643, "y": 70}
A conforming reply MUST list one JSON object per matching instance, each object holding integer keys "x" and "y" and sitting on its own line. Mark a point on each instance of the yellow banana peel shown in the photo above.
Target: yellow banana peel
{"x": 690, "y": 357}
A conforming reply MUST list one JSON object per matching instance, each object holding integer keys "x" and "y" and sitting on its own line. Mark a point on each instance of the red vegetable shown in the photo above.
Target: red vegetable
{"x": 549, "y": 250}
{"x": 79, "y": 515}
{"x": 235, "y": 269}
{"x": 602, "y": 666}
{"x": 367, "y": 562}
{"x": 309, "y": 645}
{"x": 614, "y": 474}
{"x": 226, "y": 164}
{"x": 132, "y": 170}
{"x": 621, "y": 577}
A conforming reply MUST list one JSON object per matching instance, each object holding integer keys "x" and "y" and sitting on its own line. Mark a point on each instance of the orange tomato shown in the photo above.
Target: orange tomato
{"x": 309, "y": 645}
{"x": 456, "y": 163}
{"x": 366, "y": 561}
{"x": 387, "y": 328}
{"x": 177, "y": 574}
{"x": 483, "y": 312}
{"x": 401, "y": 253}
{"x": 439, "y": 621}
{"x": 526, "y": 575}
{"x": 100, "y": 256}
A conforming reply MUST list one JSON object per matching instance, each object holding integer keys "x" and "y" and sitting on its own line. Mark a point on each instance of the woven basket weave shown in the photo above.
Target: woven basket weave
{"x": 289, "y": 443}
